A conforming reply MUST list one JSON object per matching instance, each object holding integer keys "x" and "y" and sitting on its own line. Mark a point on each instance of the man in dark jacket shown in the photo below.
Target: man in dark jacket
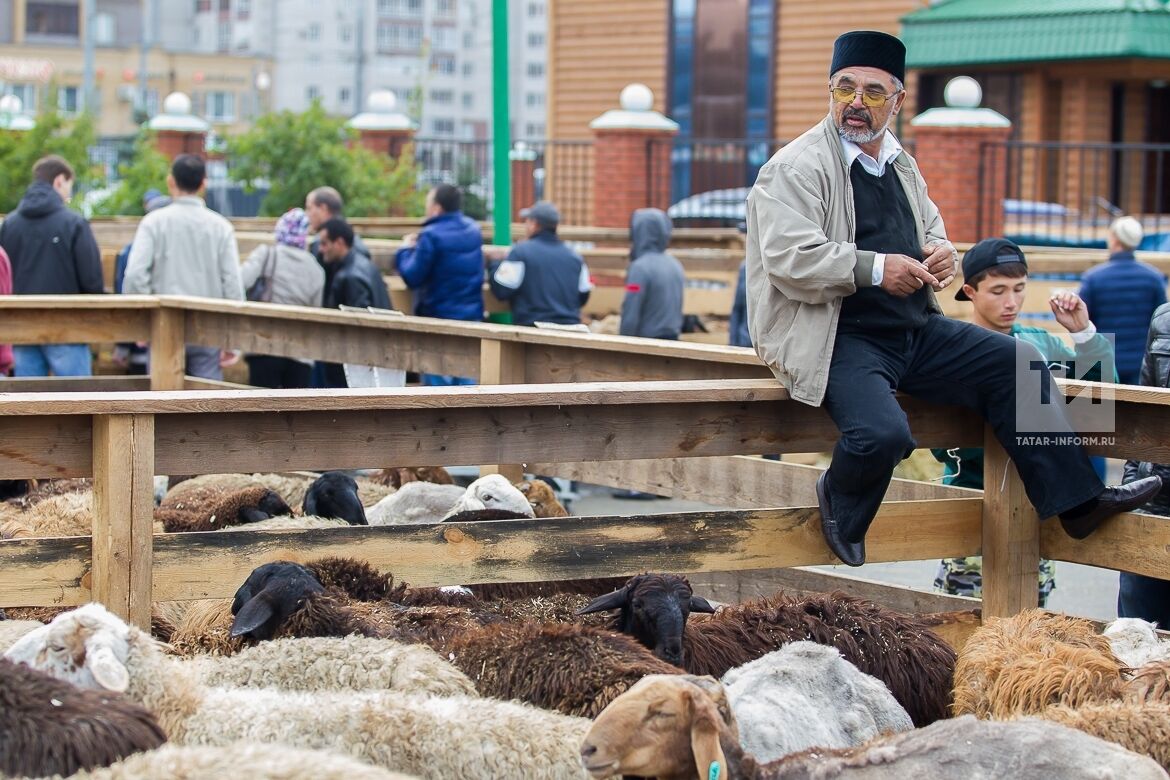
{"x": 356, "y": 282}
{"x": 544, "y": 279}
{"x": 1140, "y": 596}
{"x": 443, "y": 264}
{"x": 53, "y": 252}
{"x": 653, "y": 305}
{"x": 1122, "y": 295}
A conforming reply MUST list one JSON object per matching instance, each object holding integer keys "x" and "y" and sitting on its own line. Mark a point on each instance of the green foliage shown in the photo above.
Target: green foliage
{"x": 148, "y": 170}
{"x": 53, "y": 134}
{"x": 465, "y": 175}
{"x": 295, "y": 153}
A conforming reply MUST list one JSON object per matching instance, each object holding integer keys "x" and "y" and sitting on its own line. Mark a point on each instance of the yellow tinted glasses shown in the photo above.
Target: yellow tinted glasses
{"x": 870, "y": 98}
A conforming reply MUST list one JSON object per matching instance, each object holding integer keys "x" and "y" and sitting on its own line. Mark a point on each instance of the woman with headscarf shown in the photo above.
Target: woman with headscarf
{"x": 287, "y": 274}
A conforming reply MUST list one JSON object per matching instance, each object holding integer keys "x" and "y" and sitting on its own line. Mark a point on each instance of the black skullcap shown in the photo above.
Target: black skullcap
{"x": 870, "y": 49}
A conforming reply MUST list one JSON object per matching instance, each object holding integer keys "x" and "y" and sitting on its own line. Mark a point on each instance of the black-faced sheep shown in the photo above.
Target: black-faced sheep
{"x": 914, "y": 663}
{"x": 678, "y": 728}
{"x": 335, "y": 494}
{"x": 48, "y": 726}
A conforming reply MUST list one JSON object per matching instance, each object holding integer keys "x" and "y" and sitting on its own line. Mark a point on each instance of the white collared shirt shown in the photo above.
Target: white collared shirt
{"x": 890, "y": 149}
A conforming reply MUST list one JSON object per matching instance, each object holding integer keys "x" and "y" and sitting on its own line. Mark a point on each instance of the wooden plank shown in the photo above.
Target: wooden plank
{"x": 564, "y": 363}
{"x": 168, "y": 349}
{"x": 502, "y": 363}
{"x": 123, "y": 514}
{"x": 45, "y": 446}
{"x": 955, "y": 628}
{"x": 1011, "y": 536}
{"x": 737, "y": 481}
{"x": 199, "y": 383}
{"x": 45, "y": 572}
{"x": 48, "y": 324}
{"x": 1129, "y": 542}
{"x": 212, "y": 565}
{"x": 735, "y": 587}
{"x": 74, "y": 384}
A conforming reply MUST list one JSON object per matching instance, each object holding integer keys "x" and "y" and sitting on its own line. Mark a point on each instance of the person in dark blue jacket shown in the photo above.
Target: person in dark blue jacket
{"x": 1121, "y": 296}
{"x": 544, "y": 279}
{"x": 443, "y": 264}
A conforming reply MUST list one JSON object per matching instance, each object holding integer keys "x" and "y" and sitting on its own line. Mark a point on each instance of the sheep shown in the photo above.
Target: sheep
{"x": 899, "y": 650}
{"x": 1023, "y": 664}
{"x": 1141, "y": 727}
{"x": 542, "y": 499}
{"x": 493, "y": 491}
{"x": 210, "y": 509}
{"x": 1150, "y": 682}
{"x": 806, "y": 695}
{"x": 12, "y": 528}
{"x": 251, "y": 760}
{"x": 1135, "y": 642}
{"x": 290, "y": 522}
{"x": 48, "y": 726}
{"x": 397, "y": 477}
{"x": 335, "y": 494}
{"x": 12, "y": 630}
{"x": 205, "y": 628}
{"x": 415, "y": 503}
{"x": 676, "y": 727}
{"x": 429, "y": 736}
{"x": 15, "y": 488}
{"x": 62, "y": 514}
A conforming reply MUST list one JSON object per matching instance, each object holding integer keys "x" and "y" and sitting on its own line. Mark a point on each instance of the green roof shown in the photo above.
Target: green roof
{"x": 981, "y": 32}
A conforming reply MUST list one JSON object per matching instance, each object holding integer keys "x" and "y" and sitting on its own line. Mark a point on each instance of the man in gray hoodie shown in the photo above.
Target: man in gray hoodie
{"x": 653, "y": 306}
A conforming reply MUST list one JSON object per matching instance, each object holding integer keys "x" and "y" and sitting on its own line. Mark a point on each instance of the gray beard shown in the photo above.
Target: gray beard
{"x": 862, "y": 136}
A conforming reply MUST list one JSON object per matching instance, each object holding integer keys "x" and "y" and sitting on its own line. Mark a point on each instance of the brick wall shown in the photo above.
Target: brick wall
{"x": 631, "y": 171}
{"x": 952, "y": 160}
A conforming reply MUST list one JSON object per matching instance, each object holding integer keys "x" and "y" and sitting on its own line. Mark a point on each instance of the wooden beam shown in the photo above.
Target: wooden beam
{"x": 45, "y": 447}
{"x": 199, "y": 383}
{"x": 1011, "y": 536}
{"x": 737, "y": 481}
{"x": 212, "y": 565}
{"x": 573, "y": 363}
{"x": 123, "y": 514}
{"x": 502, "y": 363}
{"x": 73, "y": 318}
{"x": 46, "y": 572}
{"x": 1129, "y": 542}
{"x": 74, "y": 384}
{"x": 168, "y": 349}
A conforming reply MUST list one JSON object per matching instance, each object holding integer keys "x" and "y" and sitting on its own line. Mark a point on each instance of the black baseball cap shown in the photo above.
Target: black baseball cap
{"x": 988, "y": 253}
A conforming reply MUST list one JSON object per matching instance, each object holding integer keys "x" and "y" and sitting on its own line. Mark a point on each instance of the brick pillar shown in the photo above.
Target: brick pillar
{"x": 960, "y": 150}
{"x": 172, "y": 143}
{"x": 177, "y": 130}
{"x": 523, "y": 161}
{"x": 381, "y": 128}
{"x": 631, "y": 158}
{"x": 386, "y": 141}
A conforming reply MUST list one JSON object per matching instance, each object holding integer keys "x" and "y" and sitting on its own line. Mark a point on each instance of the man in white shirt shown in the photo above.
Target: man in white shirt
{"x": 186, "y": 249}
{"x": 845, "y": 254}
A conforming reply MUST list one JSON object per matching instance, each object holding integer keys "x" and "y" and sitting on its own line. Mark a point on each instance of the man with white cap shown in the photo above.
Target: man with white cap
{"x": 845, "y": 254}
{"x": 1121, "y": 296}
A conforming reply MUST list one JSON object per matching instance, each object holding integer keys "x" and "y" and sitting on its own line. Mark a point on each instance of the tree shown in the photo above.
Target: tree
{"x": 295, "y": 153}
{"x": 52, "y": 135}
{"x": 148, "y": 170}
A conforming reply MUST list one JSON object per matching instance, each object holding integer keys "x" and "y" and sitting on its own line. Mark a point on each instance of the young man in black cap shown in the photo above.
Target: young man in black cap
{"x": 995, "y": 279}
{"x": 845, "y": 254}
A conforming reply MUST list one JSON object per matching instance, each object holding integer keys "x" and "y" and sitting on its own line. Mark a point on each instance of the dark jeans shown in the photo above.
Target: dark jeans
{"x": 1144, "y": 597}
{"x": 950, "y": 362}
{"x": 277, "y": 372}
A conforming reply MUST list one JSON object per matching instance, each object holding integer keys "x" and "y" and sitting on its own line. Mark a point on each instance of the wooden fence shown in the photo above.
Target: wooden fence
{"x": 561, "y": 403}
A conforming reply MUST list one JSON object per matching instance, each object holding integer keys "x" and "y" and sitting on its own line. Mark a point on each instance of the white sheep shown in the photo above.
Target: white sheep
{"x": 12, "y": 630}
{"x": 493, "y": 491}
{"x": 806, "y": 695}
{"x": 415, "y": 503}
{"x": 433, "y": 737}
{"x": 290, "y": 523}
{"x": 1135, "y": 643}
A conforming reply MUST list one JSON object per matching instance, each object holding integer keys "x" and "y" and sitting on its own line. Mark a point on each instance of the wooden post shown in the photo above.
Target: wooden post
{"x": 168, "y": 348}
{"x": 123, "y": 514}
{"x": 1011, "y": 536}
{"x": 502, "y": 363}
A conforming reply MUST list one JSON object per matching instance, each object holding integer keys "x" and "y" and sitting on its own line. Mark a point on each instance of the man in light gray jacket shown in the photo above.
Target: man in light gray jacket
{"x": 186, "y": 249}
{"x": 845, "y": 254}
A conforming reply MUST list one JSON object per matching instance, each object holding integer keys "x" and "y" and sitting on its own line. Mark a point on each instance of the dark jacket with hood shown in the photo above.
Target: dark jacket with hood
{"x": 1155, "y": 373}
{"x": 544, "y": 280}
{"x": 445, "y": 268}
{"x": 52, "y": 249}
{"x": 653, "y": 306}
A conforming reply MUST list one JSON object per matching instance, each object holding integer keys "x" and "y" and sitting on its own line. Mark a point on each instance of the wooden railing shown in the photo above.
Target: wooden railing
{"x": 549, "y": 411}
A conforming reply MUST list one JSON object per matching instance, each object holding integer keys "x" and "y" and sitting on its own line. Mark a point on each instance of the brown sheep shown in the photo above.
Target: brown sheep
{"x": 211, "y": 509}
{"x": 1141, "y": 727}
{"x": 542, "y": 498}
{"x": 397, "y": 477}
{"x": 51, "y": 727}
{"x": 1026, "y": 663}
{"x": 1150, "y": 683}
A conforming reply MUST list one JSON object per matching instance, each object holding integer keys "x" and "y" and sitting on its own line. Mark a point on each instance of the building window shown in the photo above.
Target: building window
{"x": 469, "y": 39}
{"x": 220, "y": 106}
{"x": 312, "y": 93}
{"x": 443, "y": 38}
{"x": 388, "y": 7}
{"x": 443, "y": 64}
{"x": 52, "y": 19}
{"x": 534, "y": 130}
{"x": 225, "y": 5}
{"x": 468, "y": 68}
{"x": 243, "y": 9}
{"x": 388, "y": 37}
{"x": 536, "y": 39}
{"x": 69, "y": 100}
{"x": 536, "y": 9}
{"x": 443, "y": 126}
{"x": 444, "y": 7}
{"x": 442, "y": 97}
{"x": 534, "y": 100}
{"x": 202, "y": 6}
{"x": 28, "y": 96}
{"x": 345, "y": 33}
{"x": 468, "y": 99}
{"x": 313, "y": 32}
{"x": 223, "y": 36}
{"x": 414, "y": 7}
{"x": 535, "y": 69}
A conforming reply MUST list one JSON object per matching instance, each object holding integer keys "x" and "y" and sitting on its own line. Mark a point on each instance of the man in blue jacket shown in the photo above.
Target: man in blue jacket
{"x": 443, "y": 264}
{"x": 1122, "y": 295}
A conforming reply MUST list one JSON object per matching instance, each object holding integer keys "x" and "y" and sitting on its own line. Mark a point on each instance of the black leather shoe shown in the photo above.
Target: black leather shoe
{"x": 850, "y": 553}
{"x": 1113, "y": 501}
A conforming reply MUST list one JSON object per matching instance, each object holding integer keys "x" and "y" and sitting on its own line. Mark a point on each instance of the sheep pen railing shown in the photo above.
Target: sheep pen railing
{"x": 689, "y": 435}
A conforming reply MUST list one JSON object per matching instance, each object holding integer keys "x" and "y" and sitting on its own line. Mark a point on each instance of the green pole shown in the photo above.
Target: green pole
{"x": 501, "y": 131}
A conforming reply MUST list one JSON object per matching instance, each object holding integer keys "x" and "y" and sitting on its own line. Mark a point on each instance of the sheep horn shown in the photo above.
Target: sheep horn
{"x": 615, "y": 600}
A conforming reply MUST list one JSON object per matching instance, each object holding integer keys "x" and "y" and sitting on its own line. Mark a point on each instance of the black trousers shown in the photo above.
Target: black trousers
{"x": 277, "y": 372}
{"x": 950, "y": 362}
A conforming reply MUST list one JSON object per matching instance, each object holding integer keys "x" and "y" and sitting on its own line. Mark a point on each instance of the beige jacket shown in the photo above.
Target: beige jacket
{"x": 801, "y": 259}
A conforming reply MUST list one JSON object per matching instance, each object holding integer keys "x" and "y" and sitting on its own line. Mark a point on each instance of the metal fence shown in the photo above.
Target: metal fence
{"x": 709, "y": 178}
{"x": 1068, "y": 194}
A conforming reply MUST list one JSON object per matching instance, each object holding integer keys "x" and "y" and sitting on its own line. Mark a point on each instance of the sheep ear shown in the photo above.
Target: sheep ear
{"x": 252, "y": 615}
{"x": 252, "y": 514}
{"x": 615, "y": 600}
{"x": 709, "y": 759}
{"x": 107, "y": 670}
{"x": 700, "y": 604}
{"x": 351, "y": 509}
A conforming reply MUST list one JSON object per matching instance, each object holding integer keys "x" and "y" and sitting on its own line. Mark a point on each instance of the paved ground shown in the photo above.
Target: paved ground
{"x": 1080, "y": 590}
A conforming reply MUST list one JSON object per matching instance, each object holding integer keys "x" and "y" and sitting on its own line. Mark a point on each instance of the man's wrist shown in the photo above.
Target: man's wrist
{"x": 1081, "y": 336}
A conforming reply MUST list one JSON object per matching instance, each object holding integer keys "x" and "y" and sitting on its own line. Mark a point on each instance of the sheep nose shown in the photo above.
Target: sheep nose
{"x": 588, "y": 750}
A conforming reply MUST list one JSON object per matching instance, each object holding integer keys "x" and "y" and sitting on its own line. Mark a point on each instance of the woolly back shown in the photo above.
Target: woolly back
{"x": 1150, "y": 683}
{"x": 1141, "y": 727}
